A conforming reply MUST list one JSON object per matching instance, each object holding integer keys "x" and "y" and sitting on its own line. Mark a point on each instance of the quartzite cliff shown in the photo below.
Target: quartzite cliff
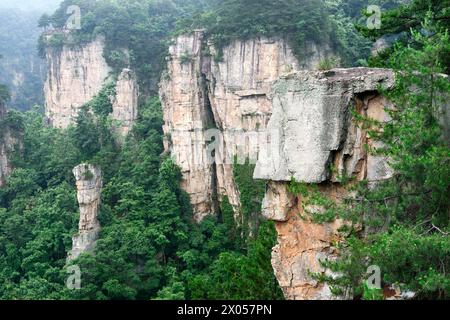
{"x": 310, "y": 132}
{"x": 205, "y": 99}
{"x": 254, "y": 103}
{"x": 89, "y": 187}
{"x": 9, "y": 141}
{"x": 76, "y": 74}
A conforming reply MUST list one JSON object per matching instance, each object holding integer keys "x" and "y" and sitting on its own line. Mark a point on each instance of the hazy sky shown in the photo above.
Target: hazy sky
{"x": 34, "y": 5}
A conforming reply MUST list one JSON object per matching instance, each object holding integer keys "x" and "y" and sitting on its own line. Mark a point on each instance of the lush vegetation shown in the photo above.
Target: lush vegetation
{"x": 149, "y": 247}
{"x": 406, "y": 219}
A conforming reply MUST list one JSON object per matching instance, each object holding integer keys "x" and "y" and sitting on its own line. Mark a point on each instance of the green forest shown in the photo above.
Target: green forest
{"x": 150, "y": 247}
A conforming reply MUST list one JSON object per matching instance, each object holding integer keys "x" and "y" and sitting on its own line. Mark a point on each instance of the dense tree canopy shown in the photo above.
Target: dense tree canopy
{"x": 149, "y": 246}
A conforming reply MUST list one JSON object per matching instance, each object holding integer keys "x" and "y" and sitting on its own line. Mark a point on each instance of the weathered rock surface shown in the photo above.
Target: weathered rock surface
{"x": 185, "y": 120}
{"x": 226, "y": 102}
{"x": 9, "y": 140}
{"x": 76, "y": 75}
{"x": 310, "y": 122}
{"x": 311, "y": 130}
{"x": 125, "y": 103}
{"x": 89, "y": 186}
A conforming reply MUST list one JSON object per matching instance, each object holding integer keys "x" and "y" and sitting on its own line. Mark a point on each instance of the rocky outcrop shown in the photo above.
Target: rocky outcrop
{"x": 5, "y": 167}
{"x": 125, "y": 102}
{"x": 9, "y": 141}
{"x": 311, "y": 122}
{"x": 310, "y": 132}
{"x": 214, "y": 110}
{"x": 89, "y": 186}
{"x": 76, "y": 74}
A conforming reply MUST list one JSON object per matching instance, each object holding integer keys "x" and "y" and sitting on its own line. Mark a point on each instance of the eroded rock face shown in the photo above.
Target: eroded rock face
{"x": 76, "y": 75}
{"x": 226, "y": 102}
{"x": 185, "y": 120}
{"x": 9, "y": 140}
{"x": 125, "y": 103}
{"x": 310, "y": 122}
{"x": 311, "y": 130}
{"x": 89, "y": 186}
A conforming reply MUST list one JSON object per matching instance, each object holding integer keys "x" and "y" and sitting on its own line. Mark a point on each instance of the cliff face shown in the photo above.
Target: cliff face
{"x": 76, "y": 75}
{"x": 311, "y": 129}
{"x": 215, "y": 110}
{"x": 89, "y": 186}
{"x": 125, "y": 103}
{"x": 5, "y": 168}
{"x": 9, "y": 140}
{"x": 292, "y": 124}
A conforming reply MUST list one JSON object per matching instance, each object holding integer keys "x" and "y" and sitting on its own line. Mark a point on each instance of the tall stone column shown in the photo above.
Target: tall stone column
{"x": 89, "y": 186}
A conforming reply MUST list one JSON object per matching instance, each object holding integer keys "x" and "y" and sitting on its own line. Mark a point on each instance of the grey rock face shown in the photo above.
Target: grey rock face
{"x": 89, "y": 185}
{"x": 9, "y": 140}
{"x": 125, "y": 104}
{"x": 310, "y": 121}
{"x": 311, "y": 130}
{"x": 76, "y": 75}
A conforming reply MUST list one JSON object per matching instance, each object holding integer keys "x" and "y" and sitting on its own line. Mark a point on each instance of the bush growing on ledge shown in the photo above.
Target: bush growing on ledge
{"x": 328, "y": 63}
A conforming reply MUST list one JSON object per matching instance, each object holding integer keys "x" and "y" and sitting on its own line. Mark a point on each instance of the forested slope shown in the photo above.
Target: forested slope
{"x": 150, "y": 247}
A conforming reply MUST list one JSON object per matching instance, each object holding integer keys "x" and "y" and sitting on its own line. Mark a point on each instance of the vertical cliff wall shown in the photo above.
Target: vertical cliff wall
{"x": 75, "y": 75}
{"x": 125, "y": 102}
{"x": 5, "y": 167}
{"x": 89, "y": 186}
{"x": 9, "y": 140}
{"x": 311, "y": 130}
{"x": 224, "y": 102}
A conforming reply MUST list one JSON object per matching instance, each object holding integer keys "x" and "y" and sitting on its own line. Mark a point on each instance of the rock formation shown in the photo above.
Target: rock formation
{"x": 89, "y": 186}
{"x": 9, "y": 140}
{"x": 5, "y": 167}
{"x": 251, "y": 104}
{"x": 310, "y": 131}
{"x": 75, "y": 75}
{"x": 125, "y": 102}
{"x": 223, "y": 103}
